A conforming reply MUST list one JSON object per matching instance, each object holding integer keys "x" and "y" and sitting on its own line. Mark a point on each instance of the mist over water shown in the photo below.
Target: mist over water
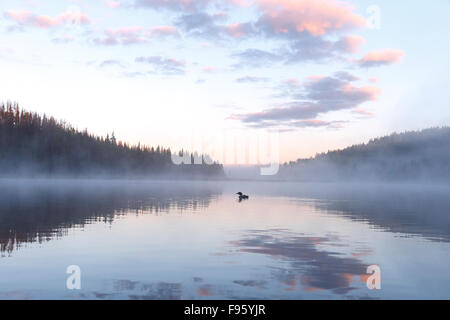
{"x": 194, "y": 240}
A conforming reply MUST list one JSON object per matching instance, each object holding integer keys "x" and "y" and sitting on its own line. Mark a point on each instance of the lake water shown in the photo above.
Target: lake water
{"x": 194, "y": 240}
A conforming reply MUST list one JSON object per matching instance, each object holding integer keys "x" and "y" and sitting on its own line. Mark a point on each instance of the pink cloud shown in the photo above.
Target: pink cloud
{"x": 351, "y": 43}
{"x": 18, "y": 16}
{"x": 163, "y": 31}
{"x": 315, "y": 29}
{"x": 45, "y": 22}
{"x": 364, "y": 113}
{"x": 112, "y": 4}
{"x": 210, "y": 69}
{"x": 292, "y": 82}
{"x": 27, "y": 18}
{"x": 239, "y": 30}
{"x": 369, "y": 91}
{"x": 127, "y": 35}
{"x": 242, "y": 3}
{"x": 317, "y": 17}
{"x": 381, "y": 58}
{"x": 316, "y": 96}
{"x": 315, "y": 78}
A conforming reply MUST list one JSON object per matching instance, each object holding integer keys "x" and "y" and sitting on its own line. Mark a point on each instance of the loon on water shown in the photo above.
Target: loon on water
{"x": 242, "y": 196}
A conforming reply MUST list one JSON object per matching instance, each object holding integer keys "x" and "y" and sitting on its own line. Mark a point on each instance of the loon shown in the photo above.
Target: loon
{"x": 242, "y": 196}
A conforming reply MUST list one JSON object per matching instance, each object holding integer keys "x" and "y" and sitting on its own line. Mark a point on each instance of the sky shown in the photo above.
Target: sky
{"x": 233, "y": 78}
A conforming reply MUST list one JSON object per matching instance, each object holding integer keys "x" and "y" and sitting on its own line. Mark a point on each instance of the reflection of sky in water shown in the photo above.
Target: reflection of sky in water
{"x": 195, "y": 241}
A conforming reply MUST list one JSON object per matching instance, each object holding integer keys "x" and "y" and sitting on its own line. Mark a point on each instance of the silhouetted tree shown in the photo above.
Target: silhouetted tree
{"x": 416, "y": 155}
{"x": 33, "y": 144}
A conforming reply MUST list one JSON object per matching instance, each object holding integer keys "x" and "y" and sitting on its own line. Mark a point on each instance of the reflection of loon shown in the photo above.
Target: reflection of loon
{"x": 242, "y": 196}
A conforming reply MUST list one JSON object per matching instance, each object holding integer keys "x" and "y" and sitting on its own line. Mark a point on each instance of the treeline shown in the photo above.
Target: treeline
{"x": 36, "y": 145}
{"x": 409, "y": 156}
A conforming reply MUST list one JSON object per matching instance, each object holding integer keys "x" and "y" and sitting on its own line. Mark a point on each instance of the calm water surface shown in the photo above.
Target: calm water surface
{"x": 194, "y": 240}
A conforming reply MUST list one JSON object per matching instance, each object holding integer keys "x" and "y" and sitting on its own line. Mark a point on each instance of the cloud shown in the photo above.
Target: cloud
{"x": 135, "y": 74}
{"x": 310, "y": 123}
{"x": 28, "y": 19}
{"x": 255, "y": 58}
{"x": 312, "y": 48}
{"x": 290, "y": 18}
{"x": 196, "y": 21}
{"x": 251, "y": 79}
{"x": 174, "y": 5}
{"x": 206, "y": 25}
{"x": 316, "y": 96}
{"x": 343, "y": 75}
{"x": 381, "y": 58}
{"x": 314, "y": 30}
{"x": 331, "y": 93}
{"x": 113, "y": 4}
{"x": 292, "y": 82}
{"x": 239, "y": 30}
{"x": 316, "y": 123}
{"x": 163, "y": 31}
{"x": 124, "y": 36}
{"x": 364, "y": 113}
{"x": 18, "y": 16}
{"x": 109, "y": 63}
{"x": 351, "y": 44}
{"x": 287, "y": 88}
{"x": 162, "y": 65}
{"x": 210, "y": 69}
{"x": 303, "y": 49}
{"x": 63, "y": 40}
{"x": 134, "y": 35}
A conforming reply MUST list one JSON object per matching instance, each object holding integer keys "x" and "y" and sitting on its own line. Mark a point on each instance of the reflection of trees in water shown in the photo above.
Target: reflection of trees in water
{"x": 411, "y": 212}
{"x": 149, "y": 291}
{"x": 41, "y": 212}
{"x": 136, "y": 290}
{"x": 420, "y": 210}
